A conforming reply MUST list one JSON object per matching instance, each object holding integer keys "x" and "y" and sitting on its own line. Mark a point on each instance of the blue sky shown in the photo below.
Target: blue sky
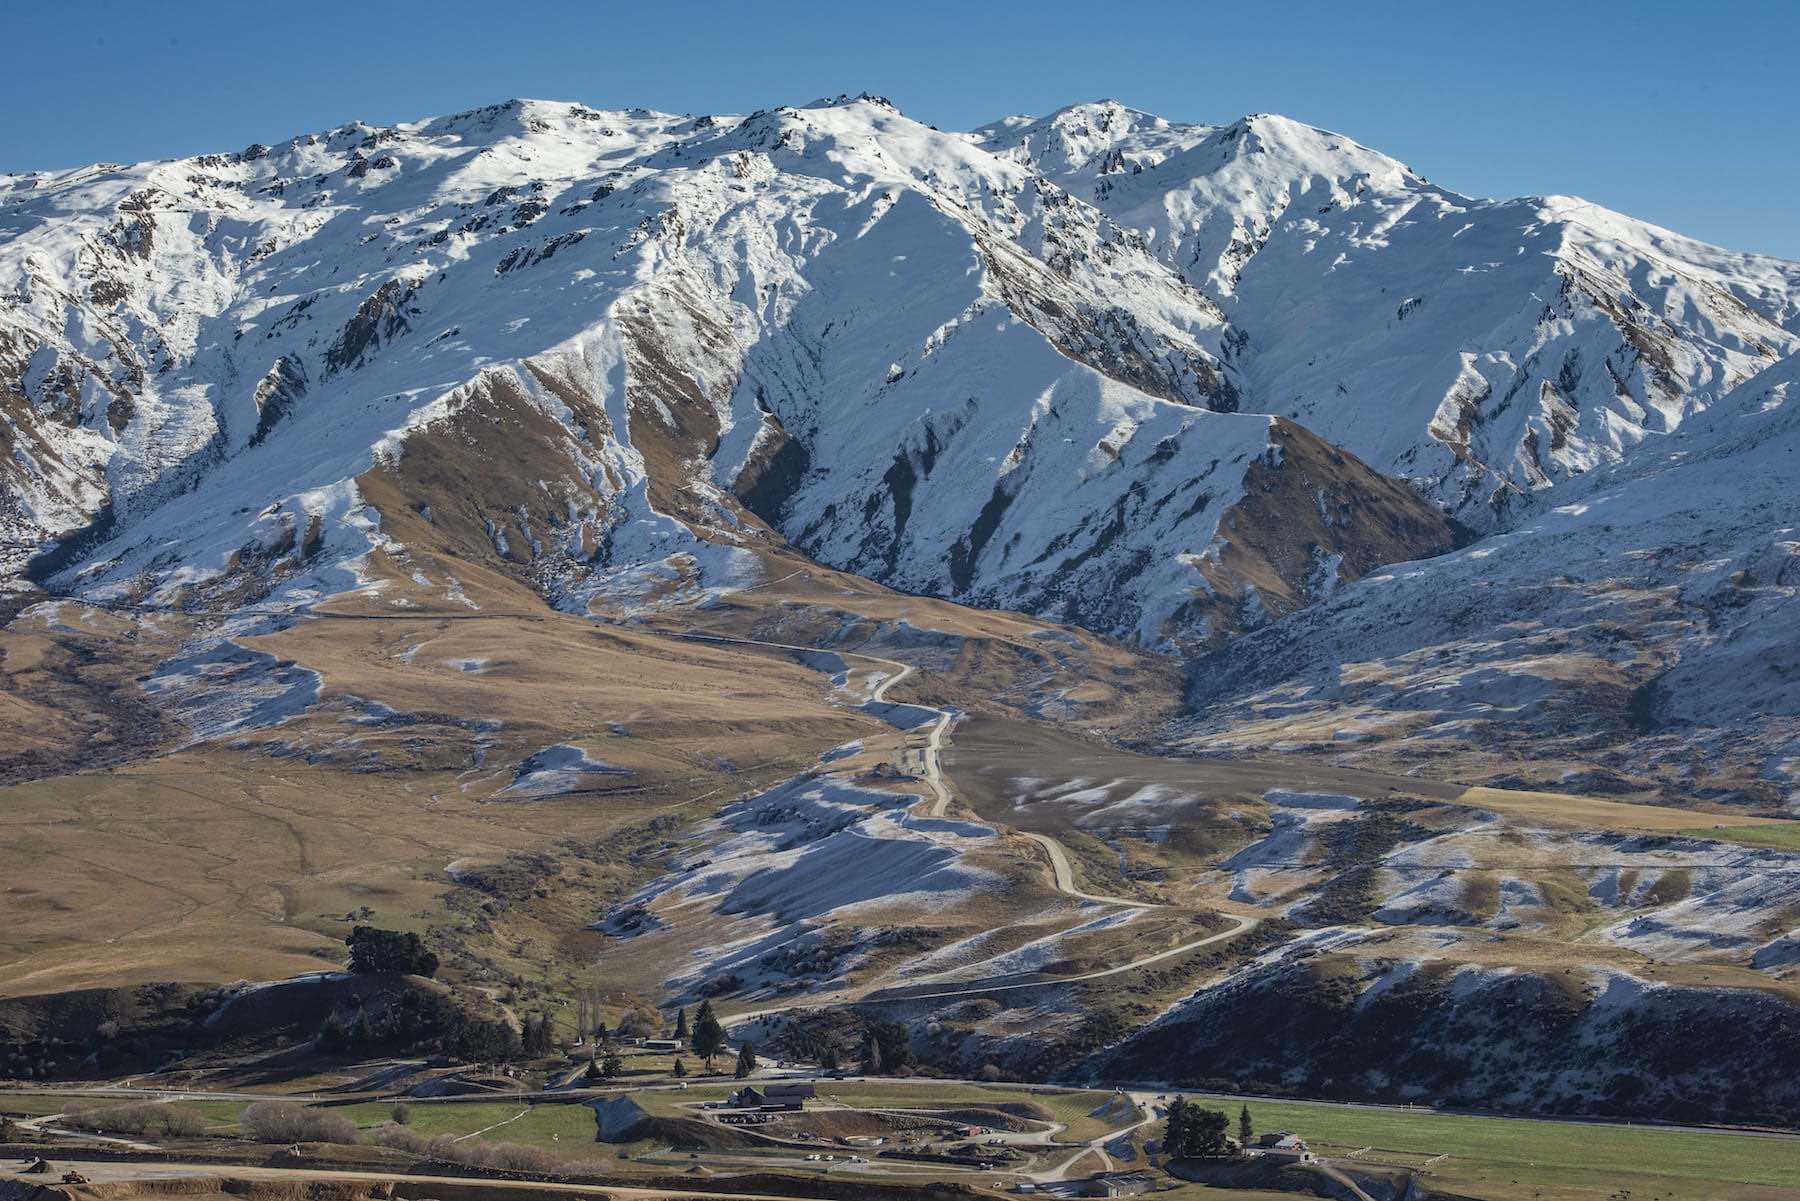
{"x": 1685, "y": 114}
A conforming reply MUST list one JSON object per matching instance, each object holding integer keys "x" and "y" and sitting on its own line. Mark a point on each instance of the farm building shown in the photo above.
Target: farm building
{"x": 789, "y": 1096}
{"x": 1284, "y": 1144}
{"x": 772, "y": 1096}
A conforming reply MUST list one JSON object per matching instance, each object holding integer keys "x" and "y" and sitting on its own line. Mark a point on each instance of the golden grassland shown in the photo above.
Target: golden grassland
{"x": 221, "y": 861}
{"x": 245, "y": 857}
{"x": 68, "y": 692}
{"x": 251, "y": 857}
{"x": 1568, "y": 811}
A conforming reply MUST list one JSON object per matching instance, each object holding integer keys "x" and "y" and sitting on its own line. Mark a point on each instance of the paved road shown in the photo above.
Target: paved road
{"x": 166, "y": 1093}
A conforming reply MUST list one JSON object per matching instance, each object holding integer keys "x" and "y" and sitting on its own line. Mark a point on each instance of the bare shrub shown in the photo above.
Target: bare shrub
{"x": 473, "y": 1153}
{"x": 179, "y": 1122}
{"x": 285, "y": 1122}
{"x": 576, "y": 1169}
{"x": 511, "y": 1157}
{"x": 640, "y": 1022}
{"x": 144, "y": 1119}
{"x": 392, "y": 1134}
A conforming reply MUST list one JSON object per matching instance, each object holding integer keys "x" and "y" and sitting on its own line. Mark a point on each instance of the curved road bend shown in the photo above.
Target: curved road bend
{"x": 1062, "y": 873}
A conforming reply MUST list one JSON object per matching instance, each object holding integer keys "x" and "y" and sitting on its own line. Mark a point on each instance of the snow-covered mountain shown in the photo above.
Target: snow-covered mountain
{"x": 1482, "y": 348}
{"x": 1167, "y": 381}
{"x": 1646, "y": 614}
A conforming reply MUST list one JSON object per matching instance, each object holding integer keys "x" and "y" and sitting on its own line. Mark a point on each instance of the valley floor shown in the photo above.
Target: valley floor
{"x": 822, "y": 805}
{"x": 1070, "y": 1136}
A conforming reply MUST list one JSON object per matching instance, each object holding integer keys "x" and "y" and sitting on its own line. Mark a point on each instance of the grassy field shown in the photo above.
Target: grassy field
{"x": 221, "y": 1116}
{"x": 1504, "y": 1158}
{"x": 1593, "y": 813}
{"x": 31, "y": 1105}
{"x": 563, "y": 1128}
{"x": 1496, "y": 1159}
{"x": 258, "y": 859}
{"x": 262, "y": 848}
{"x": 1783, "y": 836}
{"x": 1074, "y": 1108}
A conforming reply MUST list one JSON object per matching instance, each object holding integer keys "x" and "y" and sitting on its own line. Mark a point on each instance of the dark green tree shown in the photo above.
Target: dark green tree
{"x": 746, "y": 1061}
{"x": 1202, "y": 1133}
{"x": 375, "y": 950}
{"x": 1244, "y": 1129}
{"x": 535, "y": 1038}
{"x": 679, "y": 1070}
{"x": 1175, "y": 1128}
{"x": 612, "y": 1067}
{"x": 892, "y": 1046}
{"x": 1209, "y": 1128}
{"x": 478, "y": 1040}
{"x": 333, "y": 1034}
{"x": 709, "y": 1036}
{"x": 681, "y": 1026}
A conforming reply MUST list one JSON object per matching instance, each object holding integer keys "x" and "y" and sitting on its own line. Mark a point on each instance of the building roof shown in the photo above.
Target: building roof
{"x": 789, "y": 1091}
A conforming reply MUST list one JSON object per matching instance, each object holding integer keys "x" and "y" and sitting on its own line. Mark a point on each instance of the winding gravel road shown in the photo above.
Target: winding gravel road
{"x": 1061, "y": 870}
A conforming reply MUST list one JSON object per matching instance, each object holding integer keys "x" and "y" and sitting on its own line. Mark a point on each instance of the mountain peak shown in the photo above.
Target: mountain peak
{"x": 846, "y": 100}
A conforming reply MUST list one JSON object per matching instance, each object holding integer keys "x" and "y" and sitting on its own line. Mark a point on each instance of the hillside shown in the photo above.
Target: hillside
{"x": 1069, "y": 586}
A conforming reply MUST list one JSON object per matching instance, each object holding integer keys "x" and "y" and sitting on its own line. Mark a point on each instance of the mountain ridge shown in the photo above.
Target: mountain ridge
{"x": 721, "y": 254}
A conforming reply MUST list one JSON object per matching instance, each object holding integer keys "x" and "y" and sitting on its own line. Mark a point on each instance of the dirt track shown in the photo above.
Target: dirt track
{"x": 1062, "y": 873}
{"x": 105, "y": 1172}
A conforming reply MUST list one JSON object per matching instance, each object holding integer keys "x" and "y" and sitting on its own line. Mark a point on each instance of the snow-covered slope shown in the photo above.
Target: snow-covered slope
{"x": 1481, "y": 348}
{"x": 915, "y": 358}
{"x": 1646, "y": 615}
{"x": 1097, "y": 365}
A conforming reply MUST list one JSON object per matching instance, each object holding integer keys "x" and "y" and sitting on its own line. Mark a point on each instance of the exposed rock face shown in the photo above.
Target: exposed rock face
{"x": 276, "y": 394}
